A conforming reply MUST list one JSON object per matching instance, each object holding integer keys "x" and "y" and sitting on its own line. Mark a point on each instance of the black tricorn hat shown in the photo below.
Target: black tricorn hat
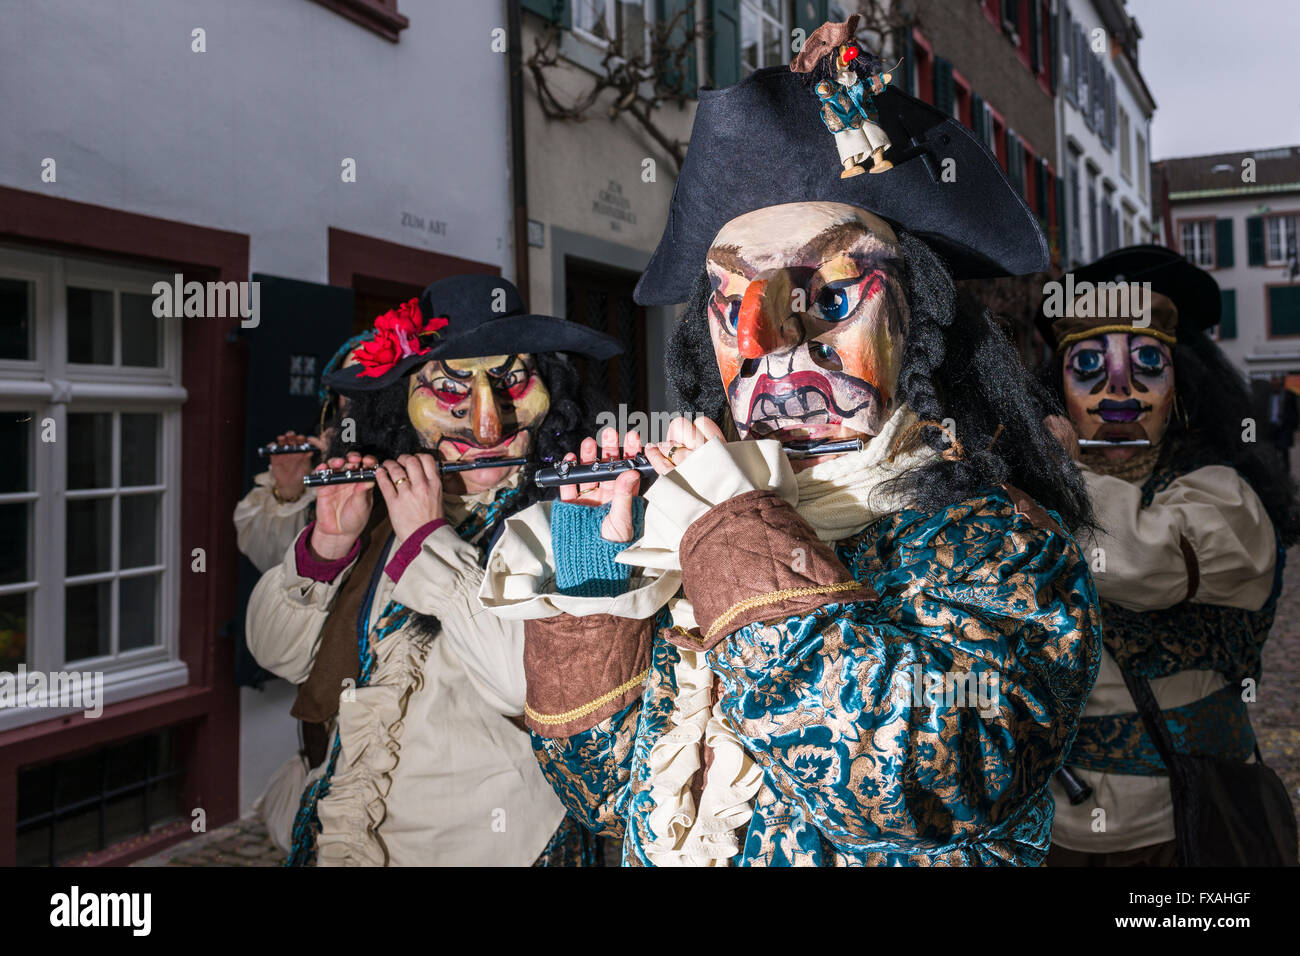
{"x": 1192, "y": 290}
{"x": 762, "y": 143}
{"x": 484, "y": 316}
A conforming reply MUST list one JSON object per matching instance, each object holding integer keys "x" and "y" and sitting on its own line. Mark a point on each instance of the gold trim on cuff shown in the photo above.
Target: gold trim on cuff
{"x": 586, "y": 709}
{"x": 773, "y": 597}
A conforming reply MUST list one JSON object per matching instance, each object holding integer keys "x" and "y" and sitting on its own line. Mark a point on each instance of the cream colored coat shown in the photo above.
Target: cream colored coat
{"x": 264, "y": 527}
{"x": 1226, "y": 524}
{"x": 431, "y": 771}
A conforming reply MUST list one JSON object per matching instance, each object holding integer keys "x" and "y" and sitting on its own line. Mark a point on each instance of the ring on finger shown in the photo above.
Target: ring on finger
{"x": 674, "y": 450}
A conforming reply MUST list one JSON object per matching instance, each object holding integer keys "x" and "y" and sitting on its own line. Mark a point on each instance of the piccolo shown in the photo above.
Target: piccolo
{"x": 1103, "y": 443}
{"x": 572, "y": 473}
{"x": 343, "y": 476}
{"x": 266, "y": 451}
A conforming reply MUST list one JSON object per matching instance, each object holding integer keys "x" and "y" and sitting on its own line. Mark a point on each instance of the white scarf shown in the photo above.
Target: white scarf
{"x": 843, "y": 495}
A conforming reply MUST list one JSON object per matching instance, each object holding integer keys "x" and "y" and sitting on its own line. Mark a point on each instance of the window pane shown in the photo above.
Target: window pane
{"x": 138, "y": 606}
{"x": 141, "y": 331}
{"x": 90, "y": 450}
{"x": 15, "y": 554}
{"x": 86, "y": 609}
{"x": 89, "y": 536}
{"x": 140, "y": 448}
{"x": 139, "y": 530}
{"x": 749, "y": 38}
{"x": 15, "y": 617}
{"x": 773, "y": 43}
{"x": 90, "y": 326}
{"x": 16, "y": 439}
{"x": 632, "y": 27}
{"x": 17, "y": 300}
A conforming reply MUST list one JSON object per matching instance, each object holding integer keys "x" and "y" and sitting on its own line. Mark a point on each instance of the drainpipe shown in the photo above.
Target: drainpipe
{"x": 518, "y": 153}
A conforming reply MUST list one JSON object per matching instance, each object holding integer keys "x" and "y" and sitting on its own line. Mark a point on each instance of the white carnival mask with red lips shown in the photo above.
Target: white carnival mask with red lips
{"x": 808, "y": 318}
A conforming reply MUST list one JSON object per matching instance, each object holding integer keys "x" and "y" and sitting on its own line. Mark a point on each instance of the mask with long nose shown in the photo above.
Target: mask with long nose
{"x": 808, "y": 318}
{"x": 483, "y": 407}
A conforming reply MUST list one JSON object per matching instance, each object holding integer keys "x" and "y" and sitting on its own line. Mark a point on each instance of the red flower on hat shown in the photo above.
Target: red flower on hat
{"x": 397, "y": 335}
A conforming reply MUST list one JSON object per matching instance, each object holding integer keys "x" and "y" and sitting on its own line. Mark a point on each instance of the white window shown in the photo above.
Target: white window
{"x": 1198, "y": 242}
{"x": 1280, "y": 233}
{"x": 1142, "y": 171}
{"x": 90, "y": 400}
{"x": 764, "y": 29}
{"x": 1125, "y": 156}
{"x": 1128, "y": 230}
{"x": 627, "y": 23}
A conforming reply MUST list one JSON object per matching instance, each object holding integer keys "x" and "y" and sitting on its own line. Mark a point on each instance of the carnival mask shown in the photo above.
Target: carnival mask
{"x": 487, "y": 407}
{"x": 1119, "y": 386}
{"x": 807, "y": 318}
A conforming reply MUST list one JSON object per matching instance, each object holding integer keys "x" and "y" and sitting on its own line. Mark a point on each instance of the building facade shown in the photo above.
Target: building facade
{"x": 1235, "y": 215}
{"x": 336, "y": 152}
{"x": 1104, "y": 111}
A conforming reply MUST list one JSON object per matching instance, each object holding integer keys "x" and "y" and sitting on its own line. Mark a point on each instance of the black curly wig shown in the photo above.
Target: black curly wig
{"x": 383, "y": 428}
{"x": 956, "y": 364}
{"x": 1207, "y": 426}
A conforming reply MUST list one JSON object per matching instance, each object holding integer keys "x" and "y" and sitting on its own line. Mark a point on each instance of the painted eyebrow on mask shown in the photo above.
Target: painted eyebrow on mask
{"x": 844, "y": 234}
{"x": 729, "y": 258}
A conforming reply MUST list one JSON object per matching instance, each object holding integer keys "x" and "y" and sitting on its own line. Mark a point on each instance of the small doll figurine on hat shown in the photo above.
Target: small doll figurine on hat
{"x": 840, "y": 67}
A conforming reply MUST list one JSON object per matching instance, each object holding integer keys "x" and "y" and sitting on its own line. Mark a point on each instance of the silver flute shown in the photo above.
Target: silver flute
{"x": 266, "y": 451}
{"x": 344, "y": 476}
{"x": 1123, "y": 443}
{"x": 572, "y": 472}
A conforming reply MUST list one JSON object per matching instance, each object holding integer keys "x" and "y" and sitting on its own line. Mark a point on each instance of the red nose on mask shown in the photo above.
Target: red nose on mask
{"x": 850, "y": 54}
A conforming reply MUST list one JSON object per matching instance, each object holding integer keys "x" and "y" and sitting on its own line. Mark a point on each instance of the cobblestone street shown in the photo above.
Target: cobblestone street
{"x": 1275, "y": 715}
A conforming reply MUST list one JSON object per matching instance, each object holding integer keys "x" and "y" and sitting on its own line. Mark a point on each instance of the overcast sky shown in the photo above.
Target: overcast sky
{"x": 1225, "y": 75}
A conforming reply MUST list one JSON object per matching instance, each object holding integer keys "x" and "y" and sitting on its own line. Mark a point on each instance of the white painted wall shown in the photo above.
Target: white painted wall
{"x": 249, "y": 136}
{"x": 1071, "y": 126}
{"x": 1252, "y": 351}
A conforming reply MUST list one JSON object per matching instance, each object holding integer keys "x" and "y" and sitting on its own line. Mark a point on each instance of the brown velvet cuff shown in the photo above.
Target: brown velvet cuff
{"x": 581, "y": 670}
{"x": 752, "y": 558}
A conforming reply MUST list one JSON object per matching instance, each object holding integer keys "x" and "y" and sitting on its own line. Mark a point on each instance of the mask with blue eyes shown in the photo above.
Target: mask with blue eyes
{"x": 1118, "y": 387}
{"x": 807, "y": 317}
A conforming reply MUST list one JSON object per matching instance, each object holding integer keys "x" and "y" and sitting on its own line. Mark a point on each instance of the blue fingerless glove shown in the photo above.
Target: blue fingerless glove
{"x": 584, "y": 561}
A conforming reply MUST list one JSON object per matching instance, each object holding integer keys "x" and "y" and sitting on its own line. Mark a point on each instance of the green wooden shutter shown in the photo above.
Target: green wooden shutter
{"x": 1223, "y": 243}
{"x": 977, "y": 117}
{"x": 943, "y": 85}
{"x": 1054, "y": 53}
{"x": 724, "y": 41}
{"x": 1040, "y": 189}
{"x": 686, "y": 80}
{"x": 1255, "y": 240}
{"x": 908, "y": 51}
{"x": 810, "y": 14}
{"x": 1228, "y": 314}
{"x": 1284, "y": 310}
{"x": 1035, "y": 37}
{"x": 558, "y": 12}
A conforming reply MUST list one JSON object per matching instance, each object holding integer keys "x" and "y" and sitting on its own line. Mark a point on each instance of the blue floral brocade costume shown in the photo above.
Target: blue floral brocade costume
{"x": 868, "y": 754}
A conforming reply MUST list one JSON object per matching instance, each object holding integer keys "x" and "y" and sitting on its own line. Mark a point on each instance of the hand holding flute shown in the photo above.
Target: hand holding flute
{"x": 287, "y": 469}
{"x": 412, "y": 490}
{"x": 683, "y": 438}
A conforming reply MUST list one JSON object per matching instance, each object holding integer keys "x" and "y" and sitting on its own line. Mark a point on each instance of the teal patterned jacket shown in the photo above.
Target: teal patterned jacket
{"x": 859, "y": 767}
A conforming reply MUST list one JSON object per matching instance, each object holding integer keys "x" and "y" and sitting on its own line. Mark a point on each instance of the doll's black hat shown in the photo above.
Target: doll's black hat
{"x": 1192, "y": 290}
{"x": 462, "y": 317}
{"x": 762, "y": 143}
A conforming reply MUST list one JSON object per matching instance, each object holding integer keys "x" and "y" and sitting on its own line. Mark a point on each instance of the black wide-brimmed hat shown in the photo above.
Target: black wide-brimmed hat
{"x": 462, "y": 317}
{"x": 1192, "y": 290}
{"x": 762, "y": 143}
